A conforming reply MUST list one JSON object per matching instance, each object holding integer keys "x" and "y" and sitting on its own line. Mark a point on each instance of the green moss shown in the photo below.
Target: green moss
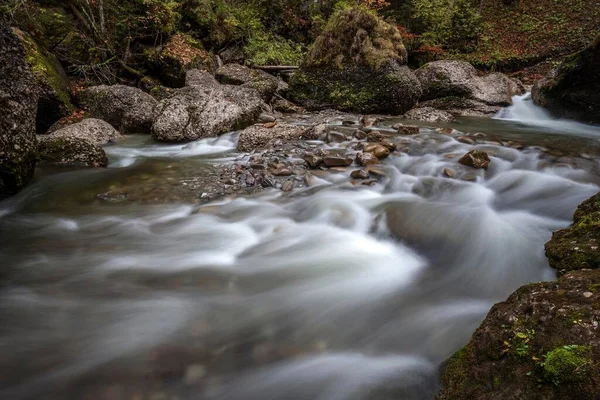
{"x": 567, "y": 364}
{"x": 347, "y": 97}
{"x": 45, "y": 69}
{"x": 356, "y": 36}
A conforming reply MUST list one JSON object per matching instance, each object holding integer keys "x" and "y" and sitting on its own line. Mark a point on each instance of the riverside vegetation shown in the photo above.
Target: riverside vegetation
{"x": 79, "y": 77}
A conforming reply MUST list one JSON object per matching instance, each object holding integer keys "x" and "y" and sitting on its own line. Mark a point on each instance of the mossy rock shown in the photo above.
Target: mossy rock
{"x": 573, "y": 89}
{"x": 541, "y": 343}
{"x": 55, "y": 100}
{"x": 356, "y": 64}
{"x": 180, "y": 54}
{"x": 578, "y": 246}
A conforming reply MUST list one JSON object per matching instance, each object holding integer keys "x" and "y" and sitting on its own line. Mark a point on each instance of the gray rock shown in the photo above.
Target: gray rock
{"x": 70, "y": 151}
{"x": 128, "y": 109}
{"x": 196, "y": 112}
{"x": 18, "y": 104}
{"x": 461, "y": 106}
{"x": 258, "y": 136}
{"x": 453, "y": 78}
{"x": 195, "y": 77}
{"x": 90, "y": 129}
{"x": 429, "y": 114}
{"x": 235, "y": 74}
{"x": 285, "y": 106}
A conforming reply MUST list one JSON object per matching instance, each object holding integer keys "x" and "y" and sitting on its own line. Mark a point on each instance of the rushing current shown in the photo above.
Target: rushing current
{"x": 329, "y": 292}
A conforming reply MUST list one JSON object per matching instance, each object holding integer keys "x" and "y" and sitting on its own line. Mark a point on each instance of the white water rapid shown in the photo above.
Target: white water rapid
{"x": 329, "y": 292}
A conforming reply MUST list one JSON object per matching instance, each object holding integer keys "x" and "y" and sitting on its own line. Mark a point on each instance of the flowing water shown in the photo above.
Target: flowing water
{"x": 330, "y": 292}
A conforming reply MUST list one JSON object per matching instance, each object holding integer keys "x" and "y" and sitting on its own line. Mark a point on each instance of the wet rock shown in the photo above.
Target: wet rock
{"x": 475, "y": 159}
{"x": 573, "y": 89}
{"x": 360, "y": 135}
{"x": 333, "y": 160}
{"x": 287, "y": 185}
{"x": 465, "y": 140}
{"x": 541, "y": 343}
{"x": 259, "y": 137}
{"x": 54, "y": 98}
{"x": 408, "y": 130}
{"x": 264, "y": 117}
{"x": 389, "y": 145}
{"x": 428, "y": 114}
{"x": 128, "y": 109}
{"x": 195, "y": 77}
{"x": 356, "y": 64}
{"x": 456, "y": 78}
{"x": 368, "y": 121}
{"x": 449, "y": 172}
{"x": 366, "y": 159}
{"x": 282, "y": 171}
{"x": 90, "y": 129}
{"x": 375, "y": 136}
{"x": 196, "y": 112}
{"x": 335, "y": 137}
{"x": 154, "y": 88}
{"x": 236, "y": 74}
{"x": 376, "y": 172}
{"x": 285, "y": 106}
{"x": 18, "y": 104}
{"x": 359, "y": 174}
{"x": 578, "y": 246}
{"x": 377, "y": 150}
{"x": 461, "y": 106}
{"x": 313, "y": 160}
{"x": 73, "y": 151}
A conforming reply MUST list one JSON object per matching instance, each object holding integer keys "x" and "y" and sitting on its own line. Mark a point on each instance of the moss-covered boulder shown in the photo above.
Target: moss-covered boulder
{"x": 578, "y": 246}
{"x": 55, "y": 99}
{"x": 357, "y": 64}
{"x": 541, "y": 343}
{"x": 18, "y": 104}
{"x": 70, "y": 151}
{"x": 573, "y": 89}
{"x": 180, "y": 54}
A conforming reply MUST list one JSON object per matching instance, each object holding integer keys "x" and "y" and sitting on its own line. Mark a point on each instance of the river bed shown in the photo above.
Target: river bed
{"x": 124, "y": 283}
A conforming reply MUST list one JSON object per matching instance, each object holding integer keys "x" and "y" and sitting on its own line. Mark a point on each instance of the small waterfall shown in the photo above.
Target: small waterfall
{"x": 524, "y": 111}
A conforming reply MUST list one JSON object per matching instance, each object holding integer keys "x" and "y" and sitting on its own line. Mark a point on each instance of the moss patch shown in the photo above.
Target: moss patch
{"x": 567, "y": 364}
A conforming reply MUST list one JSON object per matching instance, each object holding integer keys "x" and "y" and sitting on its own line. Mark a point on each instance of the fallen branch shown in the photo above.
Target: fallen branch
{"x": 277, "y": 67}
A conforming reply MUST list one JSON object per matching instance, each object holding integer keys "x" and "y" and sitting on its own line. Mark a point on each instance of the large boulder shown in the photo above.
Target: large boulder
{"x": 18, "y": 104}
{"x": 357, "y": 64}
{"x": 448, "y": 80}
{"x": 128, "y": 109}
{"x": 573, "y": 89}
{"x": 70, "y": 151}
{"x": 543, "y": 343}
{"x": 578, "y": 246}
{"x": 258, "y": 137}
{"x": 197, "y": 112}
{"x": 236, "y": 74}
{"x": 461, "y": 106}
{"x": 195, "y": 77}
{"x": 54, "y": 97}
{"x": 90, "y": 129}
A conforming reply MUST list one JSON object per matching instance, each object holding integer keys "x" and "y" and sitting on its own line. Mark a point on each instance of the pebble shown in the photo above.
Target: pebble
{"x": 475, "y": 159}
{"x": 337, "y": 161}
{"x": 377, "y": 150}
{"x": 194, "y": 374}
{"x": 360, "y": 135}
{"x": 336, "y": 137}
{"x": 389, "y": 145}
{"x": 465, "y": 140}
{"x": 366, "y": 159}
{"x": 408, "y": 130}
{"x": 359, "y": 174}
{"x": 450, "y": 173}
{"x": 282, "y": 172}
{"x": 377, "y": 172}
{"x": 313, "y": 160}
{"x": 287, "y": 185}
{"x": 587, "y": 295}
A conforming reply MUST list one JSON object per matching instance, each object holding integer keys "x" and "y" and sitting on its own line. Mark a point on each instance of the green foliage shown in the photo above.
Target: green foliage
{"x": 265, "y": 49}
{"x": 455, "y": 24}
{"x": 567, "y": 364}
